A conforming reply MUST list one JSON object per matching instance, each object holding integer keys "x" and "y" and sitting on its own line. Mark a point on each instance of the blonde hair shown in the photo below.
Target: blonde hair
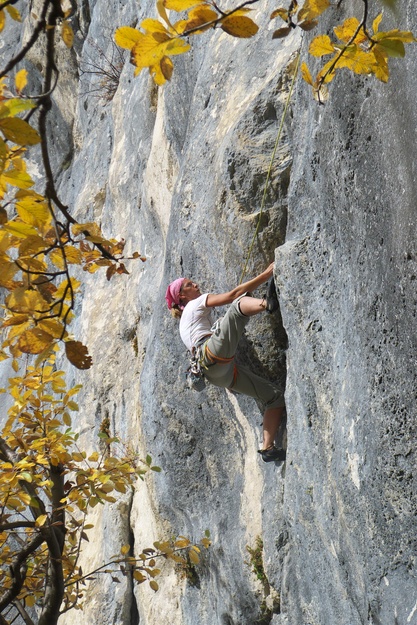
{"x": 175, "y": 311}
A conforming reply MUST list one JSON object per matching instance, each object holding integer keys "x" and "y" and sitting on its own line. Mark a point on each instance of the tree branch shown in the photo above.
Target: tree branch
{"x": 6, "y": 3}
{"x": 18, "y": 571}
{"x": 25, "y": 616}
{"x": 40, "y": 25}
{"x": 16, "y": 525}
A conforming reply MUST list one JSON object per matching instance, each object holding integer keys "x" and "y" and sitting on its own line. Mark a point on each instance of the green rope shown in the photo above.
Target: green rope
{"x": 284, "y": 113}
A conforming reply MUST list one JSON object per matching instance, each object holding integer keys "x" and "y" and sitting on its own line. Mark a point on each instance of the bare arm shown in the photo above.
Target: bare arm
{"x": 221, "y": 299}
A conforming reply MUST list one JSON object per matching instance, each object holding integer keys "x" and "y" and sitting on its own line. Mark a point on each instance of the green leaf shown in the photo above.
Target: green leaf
{"x": 14, "y": 106}
{"x": 394, "y": 48}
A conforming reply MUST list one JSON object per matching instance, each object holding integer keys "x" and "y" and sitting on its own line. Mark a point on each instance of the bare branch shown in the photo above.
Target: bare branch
{"x": 16, "y": 525}
{"x": 25, "y": 616}
{"x": 40, "y": 25}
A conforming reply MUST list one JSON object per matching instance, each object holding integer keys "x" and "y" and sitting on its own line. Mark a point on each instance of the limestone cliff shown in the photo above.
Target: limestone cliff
{"x": 179, "y": 172}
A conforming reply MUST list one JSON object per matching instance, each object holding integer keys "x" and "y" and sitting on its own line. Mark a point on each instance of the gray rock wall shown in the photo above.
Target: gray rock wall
{"x": 179, "y": 172}
{"x": 346, "y": 275}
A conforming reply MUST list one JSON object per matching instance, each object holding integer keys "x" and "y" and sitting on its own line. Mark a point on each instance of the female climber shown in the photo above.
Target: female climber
{"x": 219, "y": 344}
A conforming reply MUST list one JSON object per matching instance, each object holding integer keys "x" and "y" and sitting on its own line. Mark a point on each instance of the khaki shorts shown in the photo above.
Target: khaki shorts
{"x": 222, "y": 345}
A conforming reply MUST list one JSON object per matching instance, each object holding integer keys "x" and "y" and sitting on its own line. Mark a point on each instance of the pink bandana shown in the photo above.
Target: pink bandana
{"x": 172, "y": 295}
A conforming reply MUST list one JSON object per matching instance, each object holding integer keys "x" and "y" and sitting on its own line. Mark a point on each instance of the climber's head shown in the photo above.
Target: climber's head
{"x": 179, "y": 293}
{"x": 189, "y": 290}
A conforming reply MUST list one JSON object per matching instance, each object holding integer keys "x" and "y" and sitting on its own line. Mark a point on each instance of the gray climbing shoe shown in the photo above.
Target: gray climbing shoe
{"x": 272, "y": 453}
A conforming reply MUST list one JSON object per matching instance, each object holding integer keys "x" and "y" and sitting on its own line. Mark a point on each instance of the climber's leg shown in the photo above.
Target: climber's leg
{"x": 271, "y": 423}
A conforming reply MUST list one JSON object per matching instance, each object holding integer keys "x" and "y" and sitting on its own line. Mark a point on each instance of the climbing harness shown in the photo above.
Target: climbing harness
{"x": 195, "y": 374}
{"x": 281, "y": 126}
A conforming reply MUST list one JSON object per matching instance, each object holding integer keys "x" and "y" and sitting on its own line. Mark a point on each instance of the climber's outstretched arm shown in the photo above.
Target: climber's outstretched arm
{"x": 221, "y": 299}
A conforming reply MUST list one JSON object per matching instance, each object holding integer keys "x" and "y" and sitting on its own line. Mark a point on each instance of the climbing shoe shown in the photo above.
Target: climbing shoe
{"x": 271, "y": 297}
{"x": 272, "y": 453}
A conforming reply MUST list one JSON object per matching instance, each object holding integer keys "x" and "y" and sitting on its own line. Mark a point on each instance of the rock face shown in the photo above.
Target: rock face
{"x": 180, "y": 173}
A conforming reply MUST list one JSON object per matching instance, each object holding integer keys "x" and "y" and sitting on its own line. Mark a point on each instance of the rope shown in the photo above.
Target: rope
{"x": 284, "y": 113}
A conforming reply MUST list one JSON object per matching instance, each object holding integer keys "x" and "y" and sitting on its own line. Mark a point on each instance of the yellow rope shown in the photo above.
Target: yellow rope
{"x": 284, "y": 113}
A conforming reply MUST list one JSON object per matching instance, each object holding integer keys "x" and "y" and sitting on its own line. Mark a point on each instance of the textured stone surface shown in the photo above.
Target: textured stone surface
{"x": 179, "y": 173}
{"x": 347, "y": 278}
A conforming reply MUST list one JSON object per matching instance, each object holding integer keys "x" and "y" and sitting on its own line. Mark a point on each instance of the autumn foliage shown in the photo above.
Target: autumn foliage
{"x": 48, "y": 482}
{"x": 355, "y": 47}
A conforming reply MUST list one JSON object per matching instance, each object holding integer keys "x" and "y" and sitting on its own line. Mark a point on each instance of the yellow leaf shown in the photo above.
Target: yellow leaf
{"x": 125, "y": 549}
{"x": 182, "y": 5}
{"x": 282, "y": 13}
{"x": 127, "y": 37}
{"x": 14, "y": 13}
{"x": 154, "y": 585}
{"x": 325, "y": 75}
{"x": 376, "y": 22}
{"x": 34, "y": 341}
{"x": 239, "y": 26}
{"x": 30, "y": 601}
{"x": 64, "y": 289}
{"x": 19, "y": 229}
{"x": 91, "y": 227}
{"x": 162, "y": 12}
{"x": 358, "y": 61}
{"x": 57, "y": 258}
{"x": 78, "y": 355}
{"x": 52, "y": 326}
{"x": 11, "y": 108}
{"x": 381, "y": 70}
{"x": 15, "y": 320}
{"x": 194, "y": 558}
{"x": 349, "y": 27}
{"x": 31, "y": 245}
{"x": 7, "y": 273}
{"x": 149, "y": 51}
{"x": 73, "y": 255}
{"x": 401, "y": 35}
{"x": 67, "y": 34}
{"x": 305, "y": 73}
{"x": 312, "y": 9}
{"x": 26, "y": 301}
{"x": 200, "y": 16}
{"x": 321, "y": 46}
{"x": 19, "y": 131}
{"x": 160, "y": 72}
{"x": 2, "y": 20}
{"x": 41, "y": 520}
{"x": 153, "y": 26}
{"x": 34, "y": 213}
{"x": 18, "y": 330}
{"x": 139, "y": 577}
{"x": 15, "y": 178}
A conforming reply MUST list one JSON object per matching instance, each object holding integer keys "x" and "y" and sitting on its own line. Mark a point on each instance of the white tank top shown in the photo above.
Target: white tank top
{"x": 195, "y": 321}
